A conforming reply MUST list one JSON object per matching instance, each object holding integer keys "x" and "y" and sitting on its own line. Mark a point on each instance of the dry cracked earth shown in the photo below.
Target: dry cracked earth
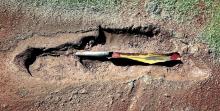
{"x": 39, "y": 70}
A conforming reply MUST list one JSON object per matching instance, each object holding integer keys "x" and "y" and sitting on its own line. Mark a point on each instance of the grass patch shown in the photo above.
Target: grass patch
{"x": 187, "y": 9}
{"x": 212, "y": 32}
{"x": 97, "y": 5}
{"x": 181, "y": 10}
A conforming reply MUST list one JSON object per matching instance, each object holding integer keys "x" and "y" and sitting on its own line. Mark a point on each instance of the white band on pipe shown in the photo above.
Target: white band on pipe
{"x": 89, "y": 53}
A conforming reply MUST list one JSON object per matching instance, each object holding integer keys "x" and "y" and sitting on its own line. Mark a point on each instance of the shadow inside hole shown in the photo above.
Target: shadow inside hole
{"x": 128, "y": 62}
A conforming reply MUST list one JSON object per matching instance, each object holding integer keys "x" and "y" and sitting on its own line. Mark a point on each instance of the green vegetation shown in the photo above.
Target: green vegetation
{"x": 212, "y": 32}
{"x": 180, "y": 10}
{"x": 186, "y": 10}
{"x": 97, "y": 5}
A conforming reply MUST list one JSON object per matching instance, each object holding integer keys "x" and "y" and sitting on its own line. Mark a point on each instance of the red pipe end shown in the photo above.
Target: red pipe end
{"x": 175, "y": 56}
{"x": 116, "y": 55}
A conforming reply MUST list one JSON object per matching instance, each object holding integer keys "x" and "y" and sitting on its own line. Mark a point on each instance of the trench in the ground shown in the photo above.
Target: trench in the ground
{"x": 59, "y": 63}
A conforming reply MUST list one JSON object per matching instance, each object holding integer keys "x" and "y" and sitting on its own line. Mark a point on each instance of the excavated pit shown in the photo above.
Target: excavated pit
{"x": 52, "y": 58}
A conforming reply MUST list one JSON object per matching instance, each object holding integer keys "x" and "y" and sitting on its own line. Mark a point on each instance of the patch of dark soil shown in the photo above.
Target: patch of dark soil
{"x": 148, "y": 30}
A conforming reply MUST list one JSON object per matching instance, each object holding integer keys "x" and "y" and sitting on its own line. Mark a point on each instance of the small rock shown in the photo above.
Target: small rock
{"x": 56, "y": 91}
{"x": 74, "y": 92}
{"x": 65, "y": 101}
{"x": 4, "y": 105}
{"x": 167, "y": 95}
{"x": 111, "y": 100}
{"x": 83, "y": 91}
{"x": 179, "y": 35}
{"x": 62, "y": 104}
{"x": 156, "y": 31}
{"x": 194, "y": 49}
{"x": 147, "y": 79}
{"x": 58, "y": 99}
{"x": 70, "y": 98}
{"x": 161, "y": 79}
{"x": 123, "y": 100}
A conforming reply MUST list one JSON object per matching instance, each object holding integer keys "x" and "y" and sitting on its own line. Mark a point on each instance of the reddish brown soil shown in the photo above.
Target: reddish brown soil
{"x": 63, "y": 83}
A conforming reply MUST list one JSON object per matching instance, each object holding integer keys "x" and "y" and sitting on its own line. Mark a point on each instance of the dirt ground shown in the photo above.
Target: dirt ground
{"x": 61, "y": 81}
